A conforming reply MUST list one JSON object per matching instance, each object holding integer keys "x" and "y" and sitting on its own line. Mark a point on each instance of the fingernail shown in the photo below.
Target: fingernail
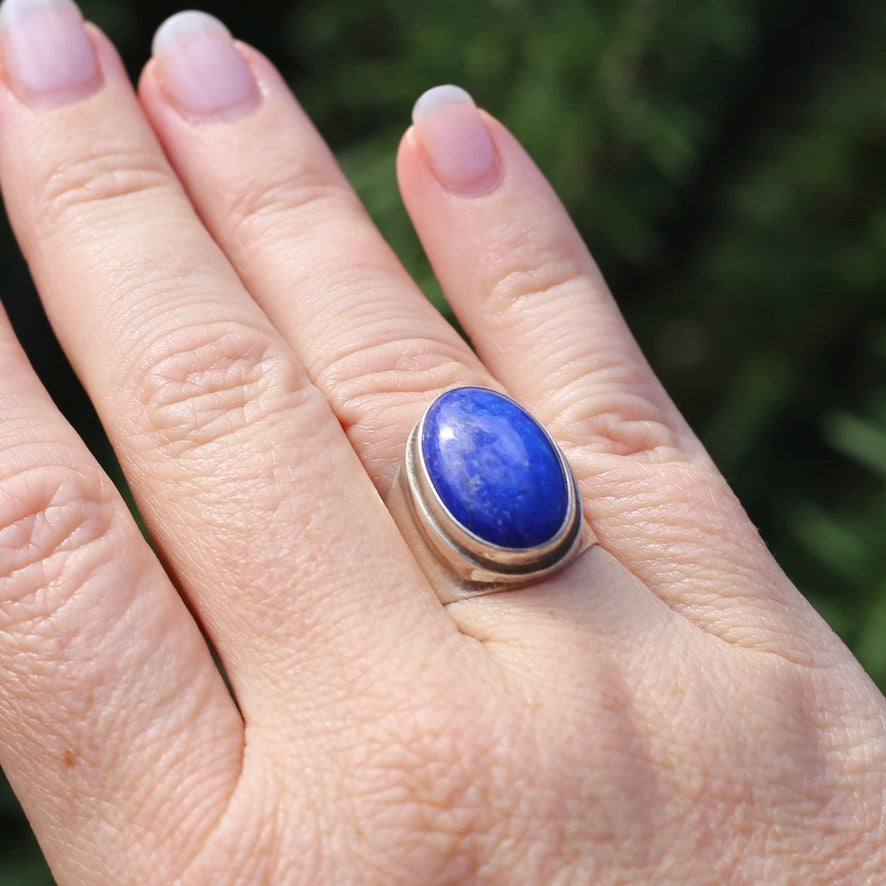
{"x": 204, "y": 75}
{"x": 456, "y": 141}
{"x": 47, "y": 53}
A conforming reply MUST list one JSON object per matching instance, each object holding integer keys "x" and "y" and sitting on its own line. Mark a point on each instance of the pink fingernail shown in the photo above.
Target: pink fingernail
{"x": 48, "y": 55}
{"x": 204, "y": 75}
{"x": 456, "y": 140}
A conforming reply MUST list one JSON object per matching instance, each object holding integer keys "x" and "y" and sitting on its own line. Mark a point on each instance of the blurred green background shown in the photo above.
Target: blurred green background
{"x": 725, "y": 160}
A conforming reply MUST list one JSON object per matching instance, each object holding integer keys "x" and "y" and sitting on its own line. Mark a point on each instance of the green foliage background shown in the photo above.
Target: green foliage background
{"x": 726, "y": 162}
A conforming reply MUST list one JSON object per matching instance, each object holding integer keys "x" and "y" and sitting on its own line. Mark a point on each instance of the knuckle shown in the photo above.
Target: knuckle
{"x": 379, "y": 391}
{"x": 402, "y": 373}
{"x": 617, "y": 421}
{"x": 57, "y": 526}
{"x": 607, "y": 399}
{"x": 98, "y": 178}
{"x": 208, "y": 383}
{"x": 260, "y": 205}
{"x": 525, "y": 273}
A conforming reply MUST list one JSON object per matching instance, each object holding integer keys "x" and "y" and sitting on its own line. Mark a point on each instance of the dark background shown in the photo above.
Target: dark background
{"x": 726, "y": 162}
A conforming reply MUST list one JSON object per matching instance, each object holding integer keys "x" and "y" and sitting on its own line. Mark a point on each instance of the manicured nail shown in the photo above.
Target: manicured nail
{"x": 456, "y": 140}
{"x": 47, "y": 53}
{"x": 204, "y": 75}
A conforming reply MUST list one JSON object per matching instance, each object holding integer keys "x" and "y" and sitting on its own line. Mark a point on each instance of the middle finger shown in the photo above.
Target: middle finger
{"x": 271, "y": 193}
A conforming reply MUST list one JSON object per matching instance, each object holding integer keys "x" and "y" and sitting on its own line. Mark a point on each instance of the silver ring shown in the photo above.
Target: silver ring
{"x": 492, "y": 497}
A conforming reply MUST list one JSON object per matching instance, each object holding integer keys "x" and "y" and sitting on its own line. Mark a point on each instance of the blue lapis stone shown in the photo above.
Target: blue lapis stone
{"x": 494, "y": 468}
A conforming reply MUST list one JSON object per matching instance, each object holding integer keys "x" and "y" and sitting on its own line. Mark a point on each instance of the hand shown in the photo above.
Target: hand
{"x": 667, "y": 709}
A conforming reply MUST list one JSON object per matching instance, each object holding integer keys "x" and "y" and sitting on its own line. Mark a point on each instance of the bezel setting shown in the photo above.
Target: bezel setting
{"x": 473, "y": 559}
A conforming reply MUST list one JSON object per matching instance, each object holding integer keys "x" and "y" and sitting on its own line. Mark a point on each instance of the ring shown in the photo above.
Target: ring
{"x": 491, "y": 495}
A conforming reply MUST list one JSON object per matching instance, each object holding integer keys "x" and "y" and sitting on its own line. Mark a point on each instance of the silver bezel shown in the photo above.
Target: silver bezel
{"x": 470, "y": 557}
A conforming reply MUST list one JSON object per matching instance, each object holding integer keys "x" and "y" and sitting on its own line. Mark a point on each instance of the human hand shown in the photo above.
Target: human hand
{"x": 667, "y": 709}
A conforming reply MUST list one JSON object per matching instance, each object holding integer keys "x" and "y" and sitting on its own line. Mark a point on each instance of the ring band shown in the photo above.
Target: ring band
{"x": 493, "y": 499}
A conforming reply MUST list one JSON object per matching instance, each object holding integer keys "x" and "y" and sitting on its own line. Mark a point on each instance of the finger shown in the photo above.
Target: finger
{"x": 536, "y": 307}
{"x": 368, "y": 337}
{"x": 515, "y": 268}
{"x": 241, "y": 470}
{"x": 271, "y": 193}
{"x": 109, "y": 698}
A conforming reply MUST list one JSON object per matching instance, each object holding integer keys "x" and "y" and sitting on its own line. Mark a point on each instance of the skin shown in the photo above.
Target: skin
{"x": 667, "y": 710}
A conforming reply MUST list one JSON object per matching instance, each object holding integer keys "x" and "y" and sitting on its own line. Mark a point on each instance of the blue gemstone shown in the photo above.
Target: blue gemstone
{"x": 494, "y": 468}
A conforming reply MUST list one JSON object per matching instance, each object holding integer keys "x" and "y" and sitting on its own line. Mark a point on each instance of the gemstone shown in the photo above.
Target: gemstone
{"x": 494, "y": 468}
